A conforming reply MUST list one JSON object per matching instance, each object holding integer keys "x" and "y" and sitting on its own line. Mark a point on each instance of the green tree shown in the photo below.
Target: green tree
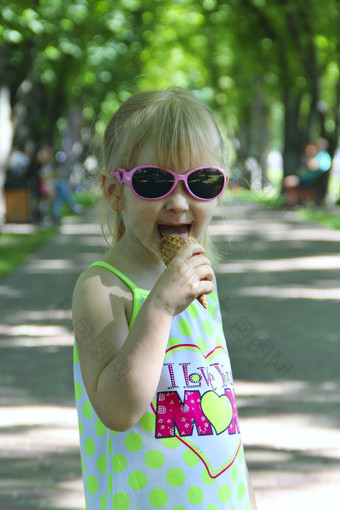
{"x": 269, "y": 68}
{"x": 65, "y": 56}
{"x": 264, "y": 54}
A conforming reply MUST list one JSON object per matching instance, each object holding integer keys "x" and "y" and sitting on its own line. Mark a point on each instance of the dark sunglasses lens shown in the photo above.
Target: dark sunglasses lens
{"x": 152, "y": 182}
{"x": 206, "y": 183}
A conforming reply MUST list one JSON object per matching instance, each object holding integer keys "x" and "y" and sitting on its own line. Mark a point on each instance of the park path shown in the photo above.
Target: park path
{"x": 279, "y": 287}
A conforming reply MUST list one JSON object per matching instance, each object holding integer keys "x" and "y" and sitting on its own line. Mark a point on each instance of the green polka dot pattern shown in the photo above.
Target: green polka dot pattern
{"x": 207, "y": 327}
{"x": 184, "y": 327}
{"x": 137, "y": 480}
{"x": 173, "y": 341}
{"x": 133, "y": 442}
{"x": 195, "y": 495}
{"x": 119, "y": 463}
{"x": 158, "y": 498}
{"x": 132, "y": 470}
{"x": 148, "y": 421}
{"x": 102, "y": 464}
{"x": 175, "y": 477}
{"x": 208, "y": 480}
{"x": 87, "y": 409}
{"x": 120, "y": 501}
{"x": 190, "y": 458}
{"x": 89, "y": 446}
{"x": 78, "y": 390}
{"x": 154, "y": 459}
{"x": 193, "y": 311}
{"x": 202, "y": 345}
{"x": 224, "y": 493}
{"x": 92, "y": 484}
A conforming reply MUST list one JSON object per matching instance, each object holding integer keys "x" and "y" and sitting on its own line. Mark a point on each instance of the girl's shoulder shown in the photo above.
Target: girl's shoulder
{"x": 99, "y": 291}
{"x": 102, "y": 277}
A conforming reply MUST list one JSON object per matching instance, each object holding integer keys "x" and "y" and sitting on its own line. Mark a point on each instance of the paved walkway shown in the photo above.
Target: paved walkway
{"x": 279, "y": 285}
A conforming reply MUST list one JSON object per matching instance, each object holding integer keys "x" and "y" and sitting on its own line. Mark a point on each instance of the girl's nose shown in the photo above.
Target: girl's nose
{"x": 178, "y": 200}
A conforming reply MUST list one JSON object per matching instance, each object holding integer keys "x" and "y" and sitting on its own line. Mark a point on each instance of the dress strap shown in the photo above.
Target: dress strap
{"x": 122, "y": 276}
{"x": 139, "y": 295}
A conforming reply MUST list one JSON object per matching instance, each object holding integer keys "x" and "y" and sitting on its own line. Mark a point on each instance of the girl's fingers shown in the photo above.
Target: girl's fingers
{"x": 193, "y": 254}
{"x": 188, "y": 250}
{"x": 194, "y": 270}
{"x": 205, "y": 273}
{"x": 198, "y": 260}
{"x": 194, "y": 259}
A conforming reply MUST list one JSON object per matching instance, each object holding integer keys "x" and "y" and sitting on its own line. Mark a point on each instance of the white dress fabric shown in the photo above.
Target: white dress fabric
{"x": 185, "y": 453}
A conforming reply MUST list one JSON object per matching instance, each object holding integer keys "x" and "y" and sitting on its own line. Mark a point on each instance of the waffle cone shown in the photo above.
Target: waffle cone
{"x": 170, "y": 246}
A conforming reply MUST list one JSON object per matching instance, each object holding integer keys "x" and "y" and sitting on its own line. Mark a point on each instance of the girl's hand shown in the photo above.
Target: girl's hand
{"x": 188, "y": 275}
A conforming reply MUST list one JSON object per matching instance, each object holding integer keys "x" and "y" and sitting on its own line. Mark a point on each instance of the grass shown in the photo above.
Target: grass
{"x": 270, "y": 199}
{"x": 329, "y": 218}
{"x": 273, "y": 200}
{"x": 16, "y": 247}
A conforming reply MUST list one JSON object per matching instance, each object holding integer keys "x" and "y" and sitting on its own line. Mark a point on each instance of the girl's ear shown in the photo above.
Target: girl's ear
{"x": 112, "y": 191}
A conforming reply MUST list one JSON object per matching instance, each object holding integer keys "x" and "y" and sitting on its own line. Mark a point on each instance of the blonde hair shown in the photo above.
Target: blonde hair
{"x": 182, "y": 130}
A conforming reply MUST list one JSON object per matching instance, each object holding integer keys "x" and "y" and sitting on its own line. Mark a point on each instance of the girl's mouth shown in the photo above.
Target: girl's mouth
{"x": 179, "y": 230}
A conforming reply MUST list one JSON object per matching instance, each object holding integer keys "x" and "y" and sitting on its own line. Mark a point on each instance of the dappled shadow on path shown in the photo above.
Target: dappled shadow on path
{"x": 39, "y": 442}
{"x": 279, "y": 291}
{"x": 279, "y": 288}
{"x": 40, "y": 462}
{"x": 48, "y": 481}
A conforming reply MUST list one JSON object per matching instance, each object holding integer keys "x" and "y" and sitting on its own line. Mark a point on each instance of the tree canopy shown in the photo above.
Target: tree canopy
{"x": 268, "y": 68}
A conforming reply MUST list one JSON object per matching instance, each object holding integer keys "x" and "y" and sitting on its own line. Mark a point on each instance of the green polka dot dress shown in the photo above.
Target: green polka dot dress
{"x": 185, "y": 453}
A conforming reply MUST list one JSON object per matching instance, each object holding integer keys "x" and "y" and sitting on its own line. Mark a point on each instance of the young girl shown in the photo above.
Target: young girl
{"x": 155, "y": 396}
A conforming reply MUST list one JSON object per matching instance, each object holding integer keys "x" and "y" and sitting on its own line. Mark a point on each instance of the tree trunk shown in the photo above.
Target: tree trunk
{"x": 6, "y": 138}
{"x": 259, "y": 140}
{"x": 292, "y": 142}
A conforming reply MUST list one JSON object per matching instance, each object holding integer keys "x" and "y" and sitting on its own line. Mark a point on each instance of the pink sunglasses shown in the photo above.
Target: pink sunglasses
{"x": 152, "y": 182}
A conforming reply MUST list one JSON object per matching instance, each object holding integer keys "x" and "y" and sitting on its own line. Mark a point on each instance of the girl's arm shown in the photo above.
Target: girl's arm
{"x": 121, "y": 368}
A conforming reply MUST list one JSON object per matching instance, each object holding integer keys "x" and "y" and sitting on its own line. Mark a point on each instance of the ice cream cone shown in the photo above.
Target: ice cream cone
{"x": 170, "y": 246}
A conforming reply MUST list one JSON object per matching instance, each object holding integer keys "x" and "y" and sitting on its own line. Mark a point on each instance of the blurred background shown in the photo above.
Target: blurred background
{"x": 270, "y": 72}
{"x": 268, "y": 69}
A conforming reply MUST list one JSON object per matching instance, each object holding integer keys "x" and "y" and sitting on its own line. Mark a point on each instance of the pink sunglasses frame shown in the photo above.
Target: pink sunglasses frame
{"x": 125, "y": 177}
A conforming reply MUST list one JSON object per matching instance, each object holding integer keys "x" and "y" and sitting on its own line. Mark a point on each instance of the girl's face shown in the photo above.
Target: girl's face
{"x": 147, "y": 221}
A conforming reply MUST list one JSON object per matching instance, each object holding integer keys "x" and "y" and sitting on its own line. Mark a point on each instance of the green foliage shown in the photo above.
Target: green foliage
{"x": 15, "y": 248}
{"x": 329, "y": 218}
{"x": 249, "y": 60}
{"x": 69, "y": 53}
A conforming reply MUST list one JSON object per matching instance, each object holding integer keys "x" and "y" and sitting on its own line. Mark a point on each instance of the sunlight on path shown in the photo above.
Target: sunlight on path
{"x": 295, "y": 458}
{"x": 279, "y": 283}
{"x": 43, "y": 437}
{"x": 315, "y": 263}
